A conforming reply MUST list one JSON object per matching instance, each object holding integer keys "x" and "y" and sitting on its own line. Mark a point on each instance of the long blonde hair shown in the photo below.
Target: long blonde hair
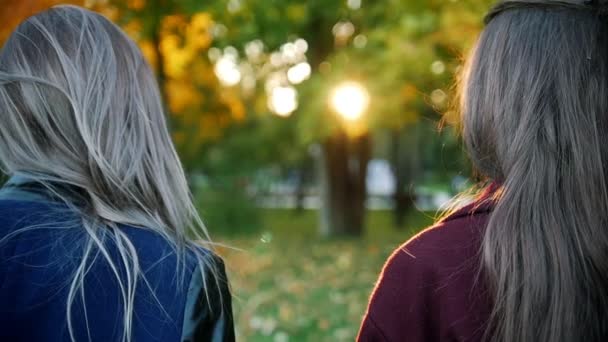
{"x": 80, "y": 107}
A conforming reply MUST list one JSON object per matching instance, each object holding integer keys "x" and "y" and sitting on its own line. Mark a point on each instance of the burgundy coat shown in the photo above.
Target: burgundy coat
{"x": 430, "y": 288}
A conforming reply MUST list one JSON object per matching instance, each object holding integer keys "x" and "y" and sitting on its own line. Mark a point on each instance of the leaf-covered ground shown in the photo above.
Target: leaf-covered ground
{"x": 291, "y": 285}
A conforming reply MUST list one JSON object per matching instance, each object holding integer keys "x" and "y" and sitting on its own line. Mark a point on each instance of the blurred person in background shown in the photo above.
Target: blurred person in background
{"x": 527, "y": 261}
{"x": 97, "y": 224}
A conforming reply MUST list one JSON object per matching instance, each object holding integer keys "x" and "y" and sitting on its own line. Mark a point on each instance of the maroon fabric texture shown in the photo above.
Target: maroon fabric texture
{"x": 431, "y": 287}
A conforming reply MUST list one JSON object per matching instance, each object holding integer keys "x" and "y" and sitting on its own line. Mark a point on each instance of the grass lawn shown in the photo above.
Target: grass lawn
{"x": 291, "y": 285}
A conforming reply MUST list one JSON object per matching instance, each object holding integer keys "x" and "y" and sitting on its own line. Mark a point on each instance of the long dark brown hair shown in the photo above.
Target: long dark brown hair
{"x": 535, "y": 119}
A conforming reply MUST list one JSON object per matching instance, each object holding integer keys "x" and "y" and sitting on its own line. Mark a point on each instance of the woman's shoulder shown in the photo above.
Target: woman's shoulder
{"x": 437, "y": 251}
{"x": 34, "y": 216}
{"x": 58, "y": 225}
{"x": 195, "y": 277}
{"x": 454, "y": 238}
{"x": 429, "y": 286}
{"x": 203, "y": 290}
{"x": 179, "y": 288}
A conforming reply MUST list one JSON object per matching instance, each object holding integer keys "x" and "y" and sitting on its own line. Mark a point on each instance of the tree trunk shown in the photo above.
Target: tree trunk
{"x": 300, "y": 191}
{"x": 360, "y": 155}
{"x": 404, "y": 160}
{"x": 345, "y": 169}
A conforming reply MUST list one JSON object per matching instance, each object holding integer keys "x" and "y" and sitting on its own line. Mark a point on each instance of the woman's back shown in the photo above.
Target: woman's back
{"x": 36, "y": 266}
{"x": 430, "y": 288}
{"x": 98, "y": 232}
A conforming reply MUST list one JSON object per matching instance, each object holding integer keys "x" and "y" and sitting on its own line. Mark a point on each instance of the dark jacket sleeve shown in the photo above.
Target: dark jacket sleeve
{"x": 208, "y": 311}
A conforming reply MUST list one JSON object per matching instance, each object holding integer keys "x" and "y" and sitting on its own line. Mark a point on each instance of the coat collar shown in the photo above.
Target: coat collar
{"x": 483, "y": 203}
{"x": 23, "y": 187}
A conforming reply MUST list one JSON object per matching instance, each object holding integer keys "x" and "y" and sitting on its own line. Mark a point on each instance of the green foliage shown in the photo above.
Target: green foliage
{"x": 404, "y": 39}
{"x": 225, "y": 208}
{"x": 256, "y": 143}
{"x": 275, "y": 21}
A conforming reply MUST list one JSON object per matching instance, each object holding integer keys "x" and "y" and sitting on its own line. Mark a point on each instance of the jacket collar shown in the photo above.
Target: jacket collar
{"x": 483, "y": 203}
{"x": 22, "y": 187}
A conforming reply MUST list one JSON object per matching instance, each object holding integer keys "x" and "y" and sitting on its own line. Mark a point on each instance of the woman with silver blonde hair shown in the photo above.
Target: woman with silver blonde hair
{"x": 97, "y": 222}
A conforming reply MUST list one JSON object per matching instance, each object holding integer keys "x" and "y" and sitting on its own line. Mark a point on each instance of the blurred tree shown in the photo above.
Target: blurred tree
{"x": 280, "y": 26}
{"x": 404, "y": 52}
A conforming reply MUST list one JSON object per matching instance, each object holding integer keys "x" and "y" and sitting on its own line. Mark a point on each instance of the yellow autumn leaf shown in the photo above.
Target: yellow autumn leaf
{"x": 136, "y": 4}
{"x": 133, "y": 28}
{"x": 202, "y": 73}
{"x": 198, "y": 35}
{"x": 181, "y": 95}
{"x": 150, "y": 53}
{"x": 174, "y": 22}
{"x": 176, "y": 62}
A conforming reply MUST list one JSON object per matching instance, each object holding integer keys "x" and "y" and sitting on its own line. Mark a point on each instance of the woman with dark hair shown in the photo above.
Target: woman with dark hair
{"x": 527, "y": 261}
{"x": 97, "y": 223}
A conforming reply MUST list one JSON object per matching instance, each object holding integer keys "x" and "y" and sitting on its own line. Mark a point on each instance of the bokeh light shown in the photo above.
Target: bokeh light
{"x": 299, "y": 73}
{"x": 438, "y": 67}
{"x": 438, "y": 96}
{"x": 350, "y": 100}
{"x": 354, "y": 4}
{"x": 227, "y": 70}
{"x": 283, "y": 100}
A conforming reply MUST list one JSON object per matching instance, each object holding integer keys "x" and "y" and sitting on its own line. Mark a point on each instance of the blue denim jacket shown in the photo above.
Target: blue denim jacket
{"x": 39, "y": 250}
